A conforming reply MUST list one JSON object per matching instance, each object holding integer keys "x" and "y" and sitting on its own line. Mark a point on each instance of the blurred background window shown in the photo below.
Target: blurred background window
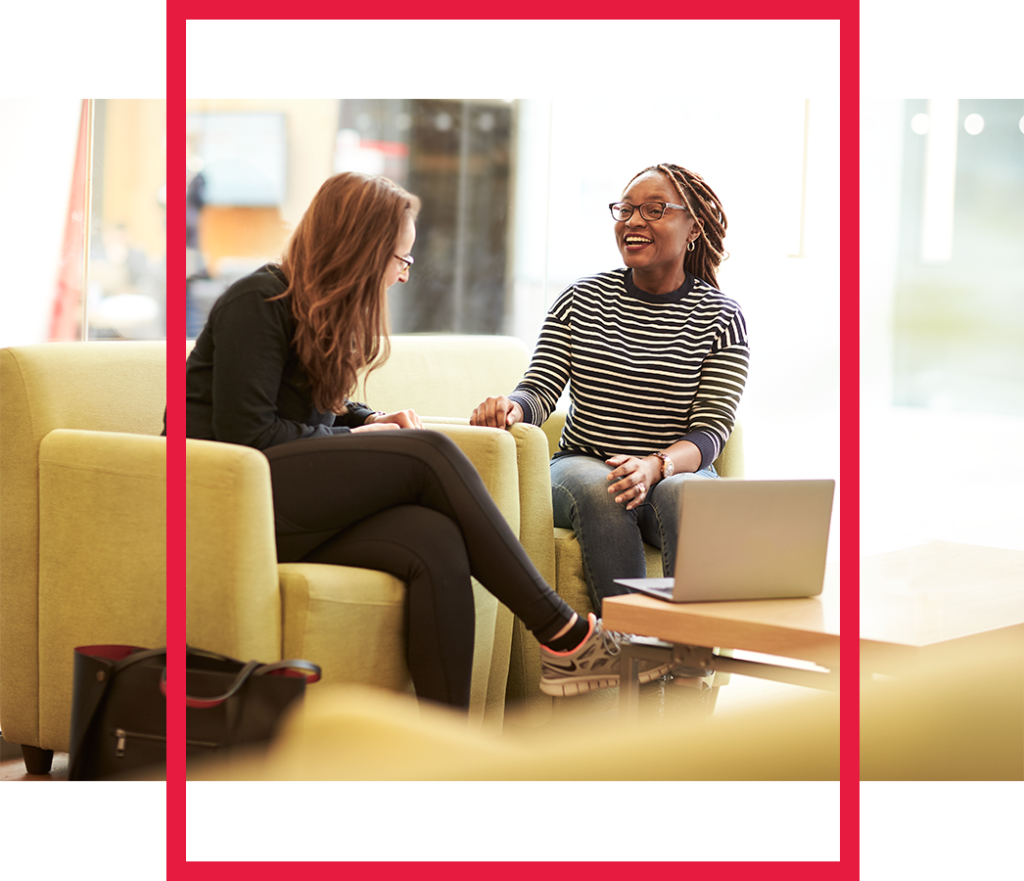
{"x": 515, "y": 207}
{"x": 943, "y": 322}
{"x": 83, "y": 185}
{"x": 247, "y": 190}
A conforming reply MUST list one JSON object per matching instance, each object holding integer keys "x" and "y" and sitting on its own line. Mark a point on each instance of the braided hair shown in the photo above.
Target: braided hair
{"x": 702, "y": 203}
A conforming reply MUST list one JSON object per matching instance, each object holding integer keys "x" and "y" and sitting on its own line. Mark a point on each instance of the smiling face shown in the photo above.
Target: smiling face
{"x": 655, "y": 249}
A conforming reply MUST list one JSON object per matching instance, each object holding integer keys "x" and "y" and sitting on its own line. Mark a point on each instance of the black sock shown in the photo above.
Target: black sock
{"x": 572, "y": 637}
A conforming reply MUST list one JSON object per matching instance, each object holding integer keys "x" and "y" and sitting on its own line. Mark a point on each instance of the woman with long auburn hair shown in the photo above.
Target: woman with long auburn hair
{"x": 273, "y": 369}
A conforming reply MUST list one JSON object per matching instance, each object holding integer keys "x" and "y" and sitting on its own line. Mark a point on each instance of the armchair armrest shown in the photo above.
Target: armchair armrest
{"x": 493, "y": 454}
{"x": 534, "y": 460}
{"x": 533, "y": 485}
{"x": 233, "y": 594}
{"x": 532, "y": 457}
{"x": 102, "y": 555}
{"x": 553, "y": 429}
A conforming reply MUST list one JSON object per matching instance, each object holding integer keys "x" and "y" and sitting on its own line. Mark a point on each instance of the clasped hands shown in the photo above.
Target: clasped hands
{"x": 633, "y": 478}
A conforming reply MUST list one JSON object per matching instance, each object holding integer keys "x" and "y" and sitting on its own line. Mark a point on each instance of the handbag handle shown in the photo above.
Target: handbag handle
{"x": 310, "y": 671}
{"x": 205, "y": 703}
{"x": 292, "y": 667}
{"x": 119, "y": 656}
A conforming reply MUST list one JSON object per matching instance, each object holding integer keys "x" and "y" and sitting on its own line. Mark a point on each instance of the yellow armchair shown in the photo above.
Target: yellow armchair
{"x": 82, "y": 523}
{"x": 347, "y": 620}
{"x": 82, "y": 529}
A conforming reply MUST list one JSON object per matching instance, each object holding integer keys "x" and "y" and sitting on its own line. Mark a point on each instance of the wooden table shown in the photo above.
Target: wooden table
{"x": 944, "y": 624}
{"x": 926, "y": 605}
{"x": 804, "y": 629}
{"x": 920, "y": 606}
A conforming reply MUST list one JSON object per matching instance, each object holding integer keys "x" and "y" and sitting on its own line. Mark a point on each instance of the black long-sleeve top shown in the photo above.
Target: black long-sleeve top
{"x": 244, "y": 383}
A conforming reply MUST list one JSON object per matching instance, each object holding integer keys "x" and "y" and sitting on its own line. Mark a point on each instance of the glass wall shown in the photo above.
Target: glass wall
{"x": 37, "y": 163}
{"x": 943, "y": 321}
{"x": 61, "y": 162}
{"x": 515, "y": 207}
{"x": 126, "y": 285}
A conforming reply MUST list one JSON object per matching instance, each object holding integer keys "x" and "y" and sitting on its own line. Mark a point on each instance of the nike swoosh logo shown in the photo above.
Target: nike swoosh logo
{"x": 566, "y": 666}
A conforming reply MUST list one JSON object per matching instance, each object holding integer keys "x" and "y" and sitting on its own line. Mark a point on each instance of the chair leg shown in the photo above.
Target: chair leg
{"x": 37, "y": 761}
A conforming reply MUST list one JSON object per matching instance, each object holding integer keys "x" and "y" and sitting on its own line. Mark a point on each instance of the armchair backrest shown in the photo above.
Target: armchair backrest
{"x": 100, "y": 386}
{"x": 96, "y": 386}
{"x": 730, "y": 461}
{"x": 441, "y": 374}
{"x": 444, "y": 374}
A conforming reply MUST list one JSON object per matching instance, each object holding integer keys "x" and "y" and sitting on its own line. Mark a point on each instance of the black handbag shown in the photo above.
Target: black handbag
{"x": 118, "y": 716}
{"x": 119, "y": 711}
{"x": 230, "y": 703}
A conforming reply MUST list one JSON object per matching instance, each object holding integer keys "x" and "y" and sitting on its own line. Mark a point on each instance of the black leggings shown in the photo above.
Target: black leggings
{"x": 410, "y": 503}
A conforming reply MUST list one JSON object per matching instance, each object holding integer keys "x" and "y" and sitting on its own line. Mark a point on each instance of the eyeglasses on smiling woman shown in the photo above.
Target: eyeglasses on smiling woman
{"x": 648, "y": 210}
{"x": 406, "y": 261}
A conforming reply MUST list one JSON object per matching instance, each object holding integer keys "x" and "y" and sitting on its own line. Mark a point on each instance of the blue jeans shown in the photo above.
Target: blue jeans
{"x": 612, "y": 538}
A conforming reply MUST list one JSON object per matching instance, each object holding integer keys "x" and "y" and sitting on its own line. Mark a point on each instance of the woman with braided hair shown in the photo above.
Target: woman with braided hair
{"x": 656, "y": 360}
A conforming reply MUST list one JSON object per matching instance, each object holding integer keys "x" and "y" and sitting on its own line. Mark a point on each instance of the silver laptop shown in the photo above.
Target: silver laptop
{"x": 747, "y": 540}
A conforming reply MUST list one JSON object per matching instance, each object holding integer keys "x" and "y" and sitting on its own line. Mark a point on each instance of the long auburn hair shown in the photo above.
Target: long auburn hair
{"x": 700, "y": 200}
{"x": 334, "y": 265}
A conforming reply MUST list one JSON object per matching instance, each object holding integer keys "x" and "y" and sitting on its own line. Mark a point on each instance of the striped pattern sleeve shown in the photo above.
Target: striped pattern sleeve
{"x": 644, "y": 372}
{"x": 550, "y": 367}
{"x": 722, "y": 379}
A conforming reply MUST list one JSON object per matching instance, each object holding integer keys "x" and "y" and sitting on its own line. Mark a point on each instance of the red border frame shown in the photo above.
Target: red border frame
{"x": 175, "y": 263}
{"x": 210, "y": 871}
{"x": 849, "y": 452}
{"x": 849, "y": 862}
{"x": 660, "y": 10}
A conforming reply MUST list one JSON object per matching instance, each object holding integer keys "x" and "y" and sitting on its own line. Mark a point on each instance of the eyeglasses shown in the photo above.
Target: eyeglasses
{"x": 408, "y": 261}
{"x": 648, "y": 210}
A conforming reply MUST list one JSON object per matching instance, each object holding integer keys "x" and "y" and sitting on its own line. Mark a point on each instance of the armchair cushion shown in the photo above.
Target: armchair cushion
{"x": 444, "y": 374}
{"x": 323, "y": 602}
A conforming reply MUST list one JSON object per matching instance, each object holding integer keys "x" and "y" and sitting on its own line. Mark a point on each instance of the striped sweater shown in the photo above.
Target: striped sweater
{"x": 644, "y": 371}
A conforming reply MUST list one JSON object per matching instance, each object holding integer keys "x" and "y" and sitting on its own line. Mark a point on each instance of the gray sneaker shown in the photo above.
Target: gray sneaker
{"x": 593, "y": 664}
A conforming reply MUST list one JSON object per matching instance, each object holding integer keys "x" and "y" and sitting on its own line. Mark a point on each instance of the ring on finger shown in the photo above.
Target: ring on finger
{"x": 641, "y": 489}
